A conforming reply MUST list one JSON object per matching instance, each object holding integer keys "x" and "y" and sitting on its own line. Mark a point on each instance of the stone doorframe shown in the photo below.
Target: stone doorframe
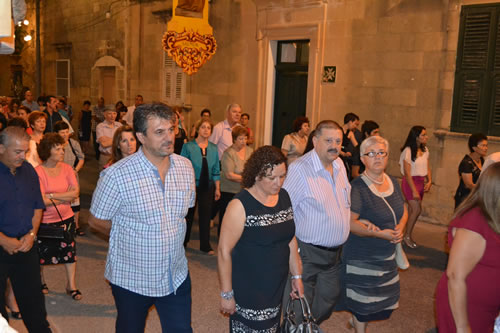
{"x": 107, "y": 61}
{"x": 268, "y": 37}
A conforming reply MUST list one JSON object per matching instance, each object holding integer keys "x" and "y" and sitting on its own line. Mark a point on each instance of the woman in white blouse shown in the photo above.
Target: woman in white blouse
{"x": 417, "y": 179}
{"x": 294, "y": 144}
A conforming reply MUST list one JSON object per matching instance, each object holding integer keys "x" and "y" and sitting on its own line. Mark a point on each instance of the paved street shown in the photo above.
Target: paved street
{"x": 96, "y": 313}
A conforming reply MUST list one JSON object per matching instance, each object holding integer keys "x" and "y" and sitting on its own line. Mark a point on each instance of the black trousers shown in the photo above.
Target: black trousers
{"x": 225, "y": 197}
{"x": 23, "y": 269}
{"x": 204, "y": 201}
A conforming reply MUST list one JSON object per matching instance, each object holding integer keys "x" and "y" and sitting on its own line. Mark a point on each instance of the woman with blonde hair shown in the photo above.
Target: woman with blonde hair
{"x": 468, "y": 294}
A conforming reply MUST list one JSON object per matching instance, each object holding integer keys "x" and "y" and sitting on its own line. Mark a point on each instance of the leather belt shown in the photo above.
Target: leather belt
{"x": 331, "y": 249}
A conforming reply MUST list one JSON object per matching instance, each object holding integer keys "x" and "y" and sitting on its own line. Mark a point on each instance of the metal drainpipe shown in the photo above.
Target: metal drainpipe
{"x": 38, "y": 67}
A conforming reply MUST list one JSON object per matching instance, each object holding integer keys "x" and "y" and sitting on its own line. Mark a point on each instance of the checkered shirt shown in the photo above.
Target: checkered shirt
{"x": 146, "y": 253}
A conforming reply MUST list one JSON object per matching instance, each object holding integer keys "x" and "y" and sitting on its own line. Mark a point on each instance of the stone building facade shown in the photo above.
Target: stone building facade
{"x": 394, "y": 59}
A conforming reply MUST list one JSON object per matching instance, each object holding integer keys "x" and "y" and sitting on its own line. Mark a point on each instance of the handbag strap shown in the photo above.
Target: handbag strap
{"x": 57, "y": 210}
{"x": 372, "y": 187}
{"x": 74, "y": 153}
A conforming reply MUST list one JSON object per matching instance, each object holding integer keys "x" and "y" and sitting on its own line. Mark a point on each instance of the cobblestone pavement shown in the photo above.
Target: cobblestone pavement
{"x": 96, "y": 312}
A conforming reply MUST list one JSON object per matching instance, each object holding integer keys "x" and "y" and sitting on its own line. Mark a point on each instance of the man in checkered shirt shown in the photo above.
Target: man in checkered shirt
{"x": 141, "y": 201}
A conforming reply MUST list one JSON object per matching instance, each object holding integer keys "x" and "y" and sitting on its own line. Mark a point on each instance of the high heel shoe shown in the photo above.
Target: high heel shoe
{"x": 410, "y": 243}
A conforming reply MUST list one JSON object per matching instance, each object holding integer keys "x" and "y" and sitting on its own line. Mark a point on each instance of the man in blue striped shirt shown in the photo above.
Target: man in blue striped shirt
{"x": 142, "y": 200}
{"x": 320, "y": 192}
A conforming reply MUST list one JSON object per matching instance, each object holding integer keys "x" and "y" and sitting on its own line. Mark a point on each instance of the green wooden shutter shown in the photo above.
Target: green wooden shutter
{"x": 471, "y": 90}
{"x": 494, "y": 118}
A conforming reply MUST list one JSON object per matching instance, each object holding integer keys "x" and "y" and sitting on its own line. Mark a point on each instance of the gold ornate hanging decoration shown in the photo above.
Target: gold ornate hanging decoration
{"x": 189, "y": 39}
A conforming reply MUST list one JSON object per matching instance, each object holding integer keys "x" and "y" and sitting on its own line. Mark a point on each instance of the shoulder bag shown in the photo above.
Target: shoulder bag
{"x": 62, "y": 232}
{"x": 308, "y": 324}
{"x": 401, "y": 259}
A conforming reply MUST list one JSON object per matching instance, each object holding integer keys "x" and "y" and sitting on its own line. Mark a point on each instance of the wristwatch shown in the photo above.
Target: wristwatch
{"x": 296, "y": 277}
{"x": 227, "y": 295}
{"x": 32, "y": 234}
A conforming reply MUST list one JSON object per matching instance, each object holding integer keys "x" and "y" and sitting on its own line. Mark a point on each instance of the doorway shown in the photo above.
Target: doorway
{"x": 290, "y": 86}
{"x": 108, "y": 85}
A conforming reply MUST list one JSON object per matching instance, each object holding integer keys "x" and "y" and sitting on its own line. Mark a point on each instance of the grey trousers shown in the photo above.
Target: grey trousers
{"x": 321, "y": 272}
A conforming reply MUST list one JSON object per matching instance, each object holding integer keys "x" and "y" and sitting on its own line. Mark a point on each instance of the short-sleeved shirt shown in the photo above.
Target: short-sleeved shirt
{"x": 466, "y": 166}
{"x": 231, "y": 162}
{"x": 58, "y": 184}
{"x": 146, "y": 253}
{"x": 70, "y": 156}
{"x": 33, "y": 106}
{"x": 294, "y": 145}
{"x": 321, "y": 202}
{"x": 419, "y": 166}
{"x": 222, "y": 137}
{"x": 19, "y": 197}
{"x": 105, "y": 129}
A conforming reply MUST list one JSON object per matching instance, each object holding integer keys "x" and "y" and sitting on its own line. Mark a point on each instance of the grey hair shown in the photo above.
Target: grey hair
{"x": 491, "y": 159}
{"x": 13, "y": 132}
{"x": 373, "y": 140}
{"x": 229, "y": 106}
{"x": 146, "y": 111}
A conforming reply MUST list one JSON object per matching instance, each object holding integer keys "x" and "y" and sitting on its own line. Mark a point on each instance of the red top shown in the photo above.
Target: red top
{"x": 483, "y": 282}
{"x": 58, "y": 184}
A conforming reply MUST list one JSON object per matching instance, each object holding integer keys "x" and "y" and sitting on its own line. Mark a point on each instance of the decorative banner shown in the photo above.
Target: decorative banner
{"x": 189, "y": 39}
{"x": 329, "y": 74}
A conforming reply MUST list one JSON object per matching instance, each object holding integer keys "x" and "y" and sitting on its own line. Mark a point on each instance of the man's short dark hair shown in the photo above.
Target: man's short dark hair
{"x": 60, "y": 125}
{"x": 326, "y": 124}
{"x": 41, "y": 99}
{"x": 246, "y": 115}
{"x": 18, "y": 122}
{"x": 87, "y": 102}
{"x": 49, "y": 97}
{"x": 12, "y": 132}
{"x": 146, "y": 111}
{"x": 205, "y": 111}
{"x": 475, "y": 139}
{"x": 368, "y": 127}
{"x": 49, "y": 141}
{"x": 350, "y": 117}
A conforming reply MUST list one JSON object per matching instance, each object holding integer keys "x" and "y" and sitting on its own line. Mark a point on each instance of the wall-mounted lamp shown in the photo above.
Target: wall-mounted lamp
{"x": 27, "y": 38}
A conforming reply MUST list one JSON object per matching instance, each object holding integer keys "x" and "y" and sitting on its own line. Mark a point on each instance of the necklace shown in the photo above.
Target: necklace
{"x": 378, "y": 182}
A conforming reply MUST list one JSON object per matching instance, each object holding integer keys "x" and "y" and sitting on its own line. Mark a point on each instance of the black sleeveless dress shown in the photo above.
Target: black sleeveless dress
{"x": 260, "y": 262}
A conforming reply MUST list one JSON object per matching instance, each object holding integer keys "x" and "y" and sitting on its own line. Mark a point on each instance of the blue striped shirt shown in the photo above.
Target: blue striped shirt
{"x": 321, "y": 203}
{"x": 146, "y": 253}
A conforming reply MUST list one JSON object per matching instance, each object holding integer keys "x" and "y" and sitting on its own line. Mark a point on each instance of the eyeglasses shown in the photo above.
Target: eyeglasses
{"x": 372, "y": 154}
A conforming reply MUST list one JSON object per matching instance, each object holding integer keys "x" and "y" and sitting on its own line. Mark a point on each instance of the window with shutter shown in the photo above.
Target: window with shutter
{"x": 62, "y": 77}
{"x": 174, "y": 82}
{"x": 476, "y": 95}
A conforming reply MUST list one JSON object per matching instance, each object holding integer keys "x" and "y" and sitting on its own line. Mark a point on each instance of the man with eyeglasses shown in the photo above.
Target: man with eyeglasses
{"x": 320, "y": 193}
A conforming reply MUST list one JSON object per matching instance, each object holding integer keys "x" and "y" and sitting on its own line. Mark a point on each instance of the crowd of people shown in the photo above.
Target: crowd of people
{"x": 318, "y": 219}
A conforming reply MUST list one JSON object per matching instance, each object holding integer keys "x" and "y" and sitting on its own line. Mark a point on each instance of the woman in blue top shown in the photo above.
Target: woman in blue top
{"x": 203, "y": 155}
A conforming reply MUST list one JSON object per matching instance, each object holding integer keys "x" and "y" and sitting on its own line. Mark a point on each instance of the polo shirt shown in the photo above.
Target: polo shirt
{"x": 19, "y": 196}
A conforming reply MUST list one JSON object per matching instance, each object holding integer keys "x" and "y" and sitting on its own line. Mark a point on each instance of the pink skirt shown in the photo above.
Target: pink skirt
{"x": 419, "y": 184}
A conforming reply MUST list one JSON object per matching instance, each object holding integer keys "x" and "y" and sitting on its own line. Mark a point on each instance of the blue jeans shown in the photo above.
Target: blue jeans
{"x": 174, "y": 310}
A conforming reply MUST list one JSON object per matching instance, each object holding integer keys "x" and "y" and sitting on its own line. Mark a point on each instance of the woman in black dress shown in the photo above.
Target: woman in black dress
{"x": 257, "y": 246}
{"x": 471, "y": 165}
{"x": 85, "y": 126}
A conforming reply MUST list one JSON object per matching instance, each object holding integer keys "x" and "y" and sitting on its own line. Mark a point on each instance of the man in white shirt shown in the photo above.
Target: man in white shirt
{"x": 105, "y": 132}
{"x": 221, "y": 134}
{"x": 129, "y": 117}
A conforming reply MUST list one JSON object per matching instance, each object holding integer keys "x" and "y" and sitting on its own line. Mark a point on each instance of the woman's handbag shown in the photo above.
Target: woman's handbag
{"x": 308, "y": 324}
{"x": 401, "y": 259}
{"x": 62, "y": 232}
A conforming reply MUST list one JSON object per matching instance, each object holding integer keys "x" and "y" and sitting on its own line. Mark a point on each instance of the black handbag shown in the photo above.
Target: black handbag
{"x": 308, "y": 324}
{"x": 61, "y": 232}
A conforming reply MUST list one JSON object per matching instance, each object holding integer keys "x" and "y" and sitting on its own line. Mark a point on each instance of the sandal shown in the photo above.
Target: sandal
{"x": 45, "y": 289}
{"x": 16, "y": 315}
{"x": 75, "y": 294}
{"x": 80, "y": 232}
